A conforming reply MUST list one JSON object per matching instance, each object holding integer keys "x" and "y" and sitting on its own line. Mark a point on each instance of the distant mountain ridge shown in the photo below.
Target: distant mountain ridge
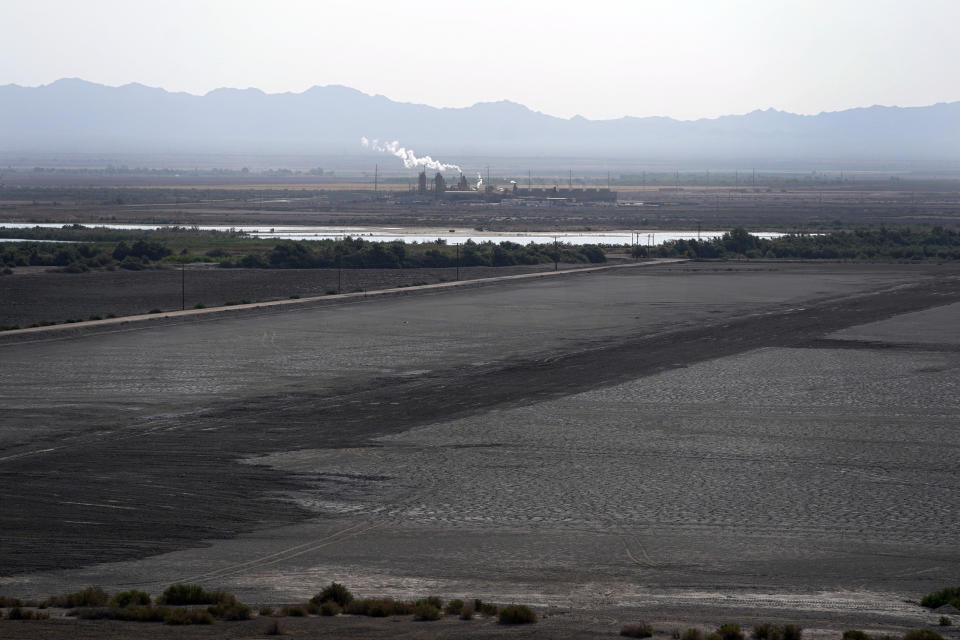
{"x": 72, "y": 115}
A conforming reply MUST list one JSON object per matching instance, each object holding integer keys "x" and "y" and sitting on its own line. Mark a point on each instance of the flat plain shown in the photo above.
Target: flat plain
{"x": 687, "y": 443}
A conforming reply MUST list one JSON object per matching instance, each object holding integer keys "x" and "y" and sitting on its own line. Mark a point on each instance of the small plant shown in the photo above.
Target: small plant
{"x": 194, "y": 594}
{"x": 95, "y": 317}
{"x": 229, "y": 611}
{"x": 516, "y": 614}
{"x": 922, "y": 634}
{"x": 425, "y": 611}
{"x": 431, "y": 600}
{"x": 273, "y": 629}
{"x": 945, "y": 621}
{"x": 10, "y": 602}
{"x": 675, "y": 634}
{"x": 25, "y": 614}
{"x": 334, "y": 592}
{"x": 266, "y": 611}
{"x": 454, "y": 607}
{"x": 187, "y": 616}
{"x": 130, "y": 598}
{"x": 730, "y": 631}
{"x": 329, "y": 608}
{"x": 89, "y": 597}
{"x": 639, "y": 630}
{"x": 199, "y": 305}
{"x": 792, "y": 632}
{"x": 378, "y": 608}
{"x": 467, "y": 612}
{"x": 293, "y": 611}
{"x": 855, "y": 634}
{"x": 154, "y": 310}
{"x": 294, "y": 297}
{"x": 692, "y": 634}
{"x": 489, "y": 609}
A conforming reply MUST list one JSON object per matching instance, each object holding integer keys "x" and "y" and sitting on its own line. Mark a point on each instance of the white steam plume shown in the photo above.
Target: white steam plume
{"x": 410, "y": 159}
{"x": 479, "y": 181}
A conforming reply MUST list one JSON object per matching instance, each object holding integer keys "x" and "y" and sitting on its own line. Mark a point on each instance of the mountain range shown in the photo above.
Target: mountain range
{"x": 72, "y": 115}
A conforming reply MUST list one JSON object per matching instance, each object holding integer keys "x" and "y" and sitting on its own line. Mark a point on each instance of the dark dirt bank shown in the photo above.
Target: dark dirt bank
{"x": 45, "y": 296}
{"x": 197, "y": 491}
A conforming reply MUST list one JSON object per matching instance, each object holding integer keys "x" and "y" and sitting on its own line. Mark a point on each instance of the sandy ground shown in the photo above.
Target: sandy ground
{"x": 685, "y": 443}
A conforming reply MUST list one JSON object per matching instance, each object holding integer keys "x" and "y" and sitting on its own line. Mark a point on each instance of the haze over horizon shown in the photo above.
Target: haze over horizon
{"x": 684, "y": 60}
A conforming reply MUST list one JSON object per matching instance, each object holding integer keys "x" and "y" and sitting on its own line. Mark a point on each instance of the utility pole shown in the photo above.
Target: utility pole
{"x": 458, "y": 262}
{"x": 183, "y": 288}
{"x": 339, "y": 273}
{"x": 570, "y": 180}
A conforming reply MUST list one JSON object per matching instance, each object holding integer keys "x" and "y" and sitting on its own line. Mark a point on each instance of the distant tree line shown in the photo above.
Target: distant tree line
{"x": 937, "y": 243}
{"x": 360, "y": 253}
{"x": 76, "y": 258}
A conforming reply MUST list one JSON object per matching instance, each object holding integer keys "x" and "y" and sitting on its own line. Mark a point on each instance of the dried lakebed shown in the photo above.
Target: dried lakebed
{"x": 683, "y": 438}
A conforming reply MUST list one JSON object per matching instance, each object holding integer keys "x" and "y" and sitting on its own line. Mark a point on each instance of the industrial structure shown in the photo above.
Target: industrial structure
{"x": 512, "y": 195}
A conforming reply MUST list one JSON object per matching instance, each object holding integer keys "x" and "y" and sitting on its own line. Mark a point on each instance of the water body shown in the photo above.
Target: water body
{"x": 449, "y": 236}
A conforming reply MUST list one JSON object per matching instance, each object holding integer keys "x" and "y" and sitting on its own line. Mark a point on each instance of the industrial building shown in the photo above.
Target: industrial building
{"x": 515, "y": 195}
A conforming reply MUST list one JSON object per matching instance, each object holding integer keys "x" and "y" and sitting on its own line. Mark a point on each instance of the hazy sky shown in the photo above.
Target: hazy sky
{"x": 599, "y": 59}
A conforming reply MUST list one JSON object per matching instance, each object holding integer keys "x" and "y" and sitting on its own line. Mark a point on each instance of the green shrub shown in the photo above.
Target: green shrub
{"x": 516, "y": 614}
{"x": 187, "y": 616}
{"x": 639, "y": 630}
{"x": 692, "y": 634}
{"x": 454, "y": 607}
{"x": 792, "y": 632}
{"x": 199, "y": 305}
{"x": 130, "y": 598}
{"x": 855, "y": 634}
{"x": 730, "y": 631}
{"x": 489, "y": 609}
{"x": 194, "y": 594}
{"x": 426, "y": 611}
{"x": 17, "y": 613}
{"x": 945, "y": 621}
{"x": 329, "y": 608}
{"x": 89, "y": 597}
{"x": 433, "y": 601}
{"x": 950, "y": 595}
{"x": 922, "y": 634}
{"x": 467, "y": 612}
{"x": 767, "y": 631}
{"x": 293, "y": 611}
{"x": 334, "y": 592}
{"x": 379, "y": 608}
{"x": 266, "y": 611}
{"x": 229, "y": 611}
{"x": 10, "y": 602}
